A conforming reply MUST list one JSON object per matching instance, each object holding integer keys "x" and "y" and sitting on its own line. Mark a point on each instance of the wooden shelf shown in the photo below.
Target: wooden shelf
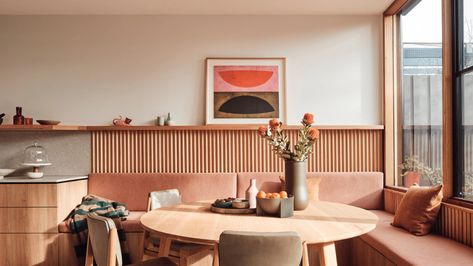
{"x": 164, "y": 128}
{"x": 41, "y": 128}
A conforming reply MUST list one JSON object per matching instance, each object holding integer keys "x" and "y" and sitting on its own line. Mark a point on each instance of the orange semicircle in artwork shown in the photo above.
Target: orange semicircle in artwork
{"x": 246, "y": 78}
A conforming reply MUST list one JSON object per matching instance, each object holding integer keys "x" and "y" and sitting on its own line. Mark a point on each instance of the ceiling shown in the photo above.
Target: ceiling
{"x": 193, "y": 7}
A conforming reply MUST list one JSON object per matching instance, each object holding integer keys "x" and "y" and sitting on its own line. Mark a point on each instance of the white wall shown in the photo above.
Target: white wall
{"x": 90, "y": 69}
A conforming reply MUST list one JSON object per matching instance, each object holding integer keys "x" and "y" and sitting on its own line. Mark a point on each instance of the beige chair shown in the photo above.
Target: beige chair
{"x": 103, "y": 245}
{"x": 179, "y": 252}
{"x": 252, "y": 248}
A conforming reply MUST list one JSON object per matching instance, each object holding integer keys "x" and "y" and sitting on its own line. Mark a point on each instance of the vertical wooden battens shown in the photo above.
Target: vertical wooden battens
{"x": 219, "y": 151}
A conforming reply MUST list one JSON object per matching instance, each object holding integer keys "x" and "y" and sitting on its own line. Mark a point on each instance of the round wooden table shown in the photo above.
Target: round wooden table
{"x": 321, "y": 224}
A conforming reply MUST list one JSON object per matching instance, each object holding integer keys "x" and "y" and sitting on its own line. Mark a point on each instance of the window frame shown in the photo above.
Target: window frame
{"x": 458, "y": 71}
{"x": 391, "y": 93}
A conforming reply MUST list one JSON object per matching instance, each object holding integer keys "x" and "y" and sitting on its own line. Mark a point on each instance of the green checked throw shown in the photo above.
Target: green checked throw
{"x": 77, "y": 222}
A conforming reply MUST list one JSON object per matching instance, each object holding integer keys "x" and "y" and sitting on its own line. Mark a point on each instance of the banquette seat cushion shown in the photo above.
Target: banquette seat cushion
{"x": 403, "y": 248}
{"x": 363, "y": 189}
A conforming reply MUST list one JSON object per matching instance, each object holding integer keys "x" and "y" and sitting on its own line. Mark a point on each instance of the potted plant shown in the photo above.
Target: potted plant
{"x": 295, "y": 159}
{"x": 412, "y": 169}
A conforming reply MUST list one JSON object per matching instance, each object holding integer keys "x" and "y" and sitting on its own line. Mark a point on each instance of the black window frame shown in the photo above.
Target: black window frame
{"x": 458, "y": 70}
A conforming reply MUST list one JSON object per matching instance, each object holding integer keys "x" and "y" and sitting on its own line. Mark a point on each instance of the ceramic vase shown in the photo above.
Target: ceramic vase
{"x": 251, "y": 192}
{"x": 296, "y": 174}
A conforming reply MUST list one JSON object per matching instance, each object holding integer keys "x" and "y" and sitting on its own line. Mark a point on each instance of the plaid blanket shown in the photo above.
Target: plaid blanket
{"x": 77, "y": 223}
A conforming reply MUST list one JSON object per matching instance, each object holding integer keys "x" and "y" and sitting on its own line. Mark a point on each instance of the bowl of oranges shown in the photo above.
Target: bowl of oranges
{"x": 274, "y": 204}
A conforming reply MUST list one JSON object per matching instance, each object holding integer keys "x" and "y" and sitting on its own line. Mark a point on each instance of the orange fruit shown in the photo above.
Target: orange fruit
{"x": 283, "y": 194}
{"x": 269, "y": 195}
{"x": 275, "y": 196}
{"x": 261, "y": 195}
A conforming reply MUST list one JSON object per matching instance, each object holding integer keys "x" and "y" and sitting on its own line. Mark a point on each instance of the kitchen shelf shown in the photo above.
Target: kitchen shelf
{"x": 41, "y": 128}
{"x": 164, "y": 128}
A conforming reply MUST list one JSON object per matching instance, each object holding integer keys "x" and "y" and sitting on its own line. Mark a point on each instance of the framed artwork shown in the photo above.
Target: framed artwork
{"x": 245, "y": 90}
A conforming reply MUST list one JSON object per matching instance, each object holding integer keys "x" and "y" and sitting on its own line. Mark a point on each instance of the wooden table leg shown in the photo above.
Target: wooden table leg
{"x": 215, "y": 255}
{"x": 305, "y": 255}
{"x": 164, "y": 246}
{"x": 327, "y": 254}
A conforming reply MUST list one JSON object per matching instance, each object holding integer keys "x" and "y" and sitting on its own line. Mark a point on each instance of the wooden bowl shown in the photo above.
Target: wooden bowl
{"x": 48, "y": 122}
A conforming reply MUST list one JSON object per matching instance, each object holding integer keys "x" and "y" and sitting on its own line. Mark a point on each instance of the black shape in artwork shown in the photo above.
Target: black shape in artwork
{"x": 246, "y": 105}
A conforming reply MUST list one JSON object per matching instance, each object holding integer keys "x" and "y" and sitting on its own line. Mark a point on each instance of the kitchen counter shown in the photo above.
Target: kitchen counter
{"x": 52, "y": 179}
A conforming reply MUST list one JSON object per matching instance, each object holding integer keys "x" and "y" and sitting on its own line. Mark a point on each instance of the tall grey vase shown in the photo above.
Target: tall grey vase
{"x": 296, "y": 174}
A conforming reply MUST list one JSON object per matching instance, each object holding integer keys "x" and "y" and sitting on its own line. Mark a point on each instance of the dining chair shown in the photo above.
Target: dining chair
{"x": 256, "y": 248}
{"x": 103, "y": 245}
{"x": 159, "y": 246}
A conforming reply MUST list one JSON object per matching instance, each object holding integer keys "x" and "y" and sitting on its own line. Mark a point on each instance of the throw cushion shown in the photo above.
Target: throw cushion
{"x": 418, "y": 209}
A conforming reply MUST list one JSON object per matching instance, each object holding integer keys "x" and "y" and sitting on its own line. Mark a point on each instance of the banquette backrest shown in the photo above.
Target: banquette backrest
{"x": 133, "y": 189}
{"x": 363, "y": 190}
{"x": 360, "y": 189}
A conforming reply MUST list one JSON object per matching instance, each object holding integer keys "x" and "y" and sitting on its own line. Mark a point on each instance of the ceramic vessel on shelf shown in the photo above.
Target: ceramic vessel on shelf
{"x": 168, "y": 121}
{"x": 19, "y": 119}
{"x": 36, "y": 157}
{"x": 251, "y": 192}
{"x": 1, "y": 118}
{"x": 296, "y": 173}
{"x": 122, "y": 121}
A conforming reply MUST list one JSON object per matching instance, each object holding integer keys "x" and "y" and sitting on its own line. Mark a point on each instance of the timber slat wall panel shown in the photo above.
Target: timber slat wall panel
{"x": 454, "y": 222}
{"x": 223, "y": 151}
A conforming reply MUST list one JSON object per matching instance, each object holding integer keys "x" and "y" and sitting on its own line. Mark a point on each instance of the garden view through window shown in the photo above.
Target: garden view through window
{"x": 420, "y": 98}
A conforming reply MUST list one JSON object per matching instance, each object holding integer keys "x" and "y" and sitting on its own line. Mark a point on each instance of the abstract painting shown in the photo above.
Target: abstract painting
{"x": 244, "y": 90}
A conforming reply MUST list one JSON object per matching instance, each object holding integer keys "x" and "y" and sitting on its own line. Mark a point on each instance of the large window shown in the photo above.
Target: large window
{"x": 420, "y": 112}
{"x": 463, "y": 98}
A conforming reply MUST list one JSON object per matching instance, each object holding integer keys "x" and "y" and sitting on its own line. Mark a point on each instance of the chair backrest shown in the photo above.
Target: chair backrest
{"x": 254, "y": 248}
{"x": 104, "y": 240}
{"x": 164, "y": 198}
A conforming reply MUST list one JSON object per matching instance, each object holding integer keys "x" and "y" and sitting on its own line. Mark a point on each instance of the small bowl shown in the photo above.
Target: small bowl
{"x": 34, "y": 175}
{"x": 241, "y": 204}
{"x": 269, "y": 206}
{"x": 5, "y": 172}
{"x": 48, "y": 122}
{"x": 227, "y": 204}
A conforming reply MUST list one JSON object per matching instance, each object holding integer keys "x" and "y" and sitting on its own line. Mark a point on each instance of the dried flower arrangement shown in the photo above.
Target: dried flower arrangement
{"x": 275, "y": 136}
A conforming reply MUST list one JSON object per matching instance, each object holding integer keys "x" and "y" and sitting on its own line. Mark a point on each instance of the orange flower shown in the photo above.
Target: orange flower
{"x": 308, "y": 119}
{"x": 314, "y": 133}
{"x": 262, "y": 130}
{"x": 274, "y": 123}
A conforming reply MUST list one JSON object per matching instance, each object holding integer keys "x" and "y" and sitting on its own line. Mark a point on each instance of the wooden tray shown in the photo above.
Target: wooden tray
{"x": 231, "y": 210}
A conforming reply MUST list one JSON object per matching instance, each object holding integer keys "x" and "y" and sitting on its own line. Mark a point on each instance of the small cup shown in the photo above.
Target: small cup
{"x": 160, "y": 121}
{"x": 28, "y": 121}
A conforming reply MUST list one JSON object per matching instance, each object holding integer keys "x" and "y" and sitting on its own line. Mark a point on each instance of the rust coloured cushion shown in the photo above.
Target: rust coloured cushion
{"x": 418, "y": 209}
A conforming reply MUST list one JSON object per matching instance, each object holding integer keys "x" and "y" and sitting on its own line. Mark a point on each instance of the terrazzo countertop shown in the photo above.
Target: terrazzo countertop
{"x": 44, "y": 180}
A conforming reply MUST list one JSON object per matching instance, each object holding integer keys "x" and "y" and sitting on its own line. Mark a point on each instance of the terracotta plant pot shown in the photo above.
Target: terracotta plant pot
{"x": 411, "y": 178}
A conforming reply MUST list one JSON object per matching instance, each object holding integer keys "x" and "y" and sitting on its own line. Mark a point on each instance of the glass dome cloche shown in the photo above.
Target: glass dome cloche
{"x": 37, "y": 157}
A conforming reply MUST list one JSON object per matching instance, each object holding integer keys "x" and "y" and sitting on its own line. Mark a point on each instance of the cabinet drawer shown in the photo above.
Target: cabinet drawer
{"x": 29, "y": 249}
{"x": 28, "y": 195}
{"x": 28, "y": 220}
